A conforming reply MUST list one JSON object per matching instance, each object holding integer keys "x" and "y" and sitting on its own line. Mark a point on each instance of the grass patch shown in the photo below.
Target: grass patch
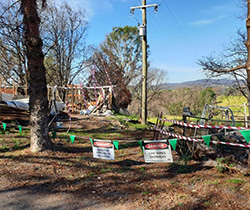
{"x": 128, "y": 145}
{"x": 214, "y": 182}
{"x": 145, "y": 193}
{"x": 120, "y": 117}
{"x": 4, "y": 148}
{"x": 105, "y": 170}
{"x": 124, "y": 120}
{"x": 106, "y": 135}
{"x": 94, "y": 134}
{"x": 235, "y": 181}
{"x": 231, "y": 101}
{"x": 137, "y": 126}
{"x": 207, "y": 203}
{"x": 173, "y": 117}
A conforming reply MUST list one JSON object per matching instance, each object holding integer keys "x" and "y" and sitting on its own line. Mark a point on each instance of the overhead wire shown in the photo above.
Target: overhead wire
{"x": 183, "y": 32}
{"x": 165, "y": 32}
{"x": 168, "y": 36}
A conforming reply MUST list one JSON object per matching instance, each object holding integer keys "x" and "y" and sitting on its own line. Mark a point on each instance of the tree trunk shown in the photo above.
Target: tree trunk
{"x": 247, "y": 43}
{"x": 39, "y": 138}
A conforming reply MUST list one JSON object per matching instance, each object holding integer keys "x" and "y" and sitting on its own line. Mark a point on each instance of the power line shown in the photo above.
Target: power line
{"x": 133, "y": 16}
{"x": 186, "y": 37}
{"x": 168, "y": 36}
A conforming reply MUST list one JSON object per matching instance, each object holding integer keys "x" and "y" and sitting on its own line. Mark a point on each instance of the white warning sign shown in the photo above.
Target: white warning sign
{"x": 157, "y": 151}
{"x": 103, "y": 149}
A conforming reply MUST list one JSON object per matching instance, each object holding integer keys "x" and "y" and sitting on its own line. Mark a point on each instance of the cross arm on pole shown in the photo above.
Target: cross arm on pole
{"x": 132, "y": 9}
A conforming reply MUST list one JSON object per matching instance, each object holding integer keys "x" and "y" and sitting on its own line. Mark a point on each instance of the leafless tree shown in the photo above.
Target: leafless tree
{"x": 235, "y": 62}
{"x": 156, "y": 77}
{"x": 13, "y": 62}
{"x": 64, "y": 30}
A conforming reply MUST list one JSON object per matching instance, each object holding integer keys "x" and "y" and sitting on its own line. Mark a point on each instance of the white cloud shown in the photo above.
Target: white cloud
{"x": 92, "y": 7}
{"x": 202, "y": 22}
{"x": 223, "y": 9}
{"x": 208, "y": 21}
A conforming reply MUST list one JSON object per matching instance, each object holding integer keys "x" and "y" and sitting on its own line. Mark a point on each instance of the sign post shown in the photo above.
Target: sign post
{"x": 157, "y": 151}
{"x": 103, "y": 149}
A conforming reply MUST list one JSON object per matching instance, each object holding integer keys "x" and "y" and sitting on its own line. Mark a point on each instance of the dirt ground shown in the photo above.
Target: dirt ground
{"x": 70, "y": 178}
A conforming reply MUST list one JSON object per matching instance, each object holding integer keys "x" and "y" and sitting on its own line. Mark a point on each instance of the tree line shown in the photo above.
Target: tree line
{"x": 45, "y": 44}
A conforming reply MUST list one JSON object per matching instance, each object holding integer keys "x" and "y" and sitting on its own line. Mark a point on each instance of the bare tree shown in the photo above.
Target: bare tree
{"x": 64, "y": 30}
{"x": 39, "y": 139}
{"x": 235, "y": 62}
{"x": 156, "y": 77}
{"x": 13, "y": 62}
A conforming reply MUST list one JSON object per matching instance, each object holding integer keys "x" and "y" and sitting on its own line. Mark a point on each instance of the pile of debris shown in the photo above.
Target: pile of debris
{"x": 12, "y": 113}
{"x": 18, "y": 110}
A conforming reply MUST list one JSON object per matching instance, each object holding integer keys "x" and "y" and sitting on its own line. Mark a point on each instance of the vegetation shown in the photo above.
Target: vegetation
{"x": 63, "y": 31}
{"x": 234, "y": 62}
{"x": 172, "y": 102}
{"x": 40, "y": 48}
{"x": 118, "y": 61}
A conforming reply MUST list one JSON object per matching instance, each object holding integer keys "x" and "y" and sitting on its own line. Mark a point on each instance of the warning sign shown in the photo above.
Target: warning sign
{"x": 103, "y": 149}
{"x": 157, "y": 151}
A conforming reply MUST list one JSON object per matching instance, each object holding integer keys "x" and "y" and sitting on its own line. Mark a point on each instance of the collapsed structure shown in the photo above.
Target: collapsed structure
{"x": 78, "y": 100}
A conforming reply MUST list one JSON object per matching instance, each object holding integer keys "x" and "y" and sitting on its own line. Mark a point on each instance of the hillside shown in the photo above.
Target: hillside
{"x": 201, "y": 82}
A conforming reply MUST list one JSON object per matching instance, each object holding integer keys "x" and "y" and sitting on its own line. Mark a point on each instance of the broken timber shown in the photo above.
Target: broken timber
{"x": 10, "y": 113}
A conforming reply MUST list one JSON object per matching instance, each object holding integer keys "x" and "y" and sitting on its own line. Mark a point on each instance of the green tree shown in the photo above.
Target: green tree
{"x": 120, "y": 56}
{"x": 123, "y": 47}
{"x": 206, "y": 96}
{"x": 195, "y": 98}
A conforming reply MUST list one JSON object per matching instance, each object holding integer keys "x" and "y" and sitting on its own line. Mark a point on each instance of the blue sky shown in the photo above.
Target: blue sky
{"x": 181, "y": 32}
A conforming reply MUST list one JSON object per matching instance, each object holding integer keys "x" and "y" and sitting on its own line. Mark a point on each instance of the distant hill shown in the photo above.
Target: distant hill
{"x": 200, "y": 82}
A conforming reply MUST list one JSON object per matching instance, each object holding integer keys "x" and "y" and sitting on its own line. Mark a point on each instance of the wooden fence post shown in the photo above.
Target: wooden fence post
{"x": 161, "y": 128}
{"x": 156, "y": 126}
{"x": 1, "y": 84}
{"x": 72, "y": 98}
{"x": 184, "y": 118}
{"x": 26, "y": 89}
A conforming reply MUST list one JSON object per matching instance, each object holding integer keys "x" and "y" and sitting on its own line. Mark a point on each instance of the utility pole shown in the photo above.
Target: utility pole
{"x": 143, "y": 34}
{"x": 144, "y": 110}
